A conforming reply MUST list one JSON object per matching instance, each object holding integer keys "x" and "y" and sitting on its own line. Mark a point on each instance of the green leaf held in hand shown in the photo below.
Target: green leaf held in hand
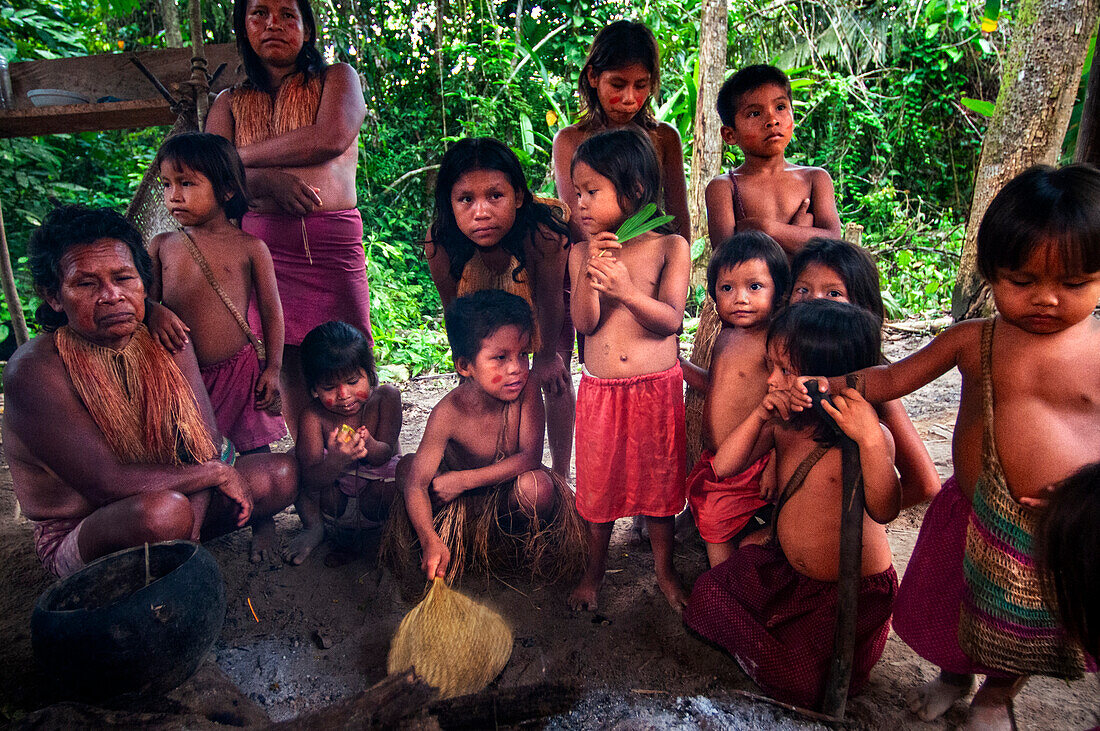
{"x": 641, "y": 223}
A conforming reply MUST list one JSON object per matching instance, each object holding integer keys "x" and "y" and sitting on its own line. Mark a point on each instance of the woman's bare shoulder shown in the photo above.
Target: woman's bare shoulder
{"x": 666, "y": 134}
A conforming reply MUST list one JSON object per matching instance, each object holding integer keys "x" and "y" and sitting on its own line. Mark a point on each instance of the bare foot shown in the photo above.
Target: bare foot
{"x": 583, "y": 597}
{"x": 300, "y": 548}
{"x": 673, "y": 591}
{"x": 984, "y": 717}
{"x": 263, "y": 540}
{"x": 638, "y": 532}
{"x": 931, "y": 700}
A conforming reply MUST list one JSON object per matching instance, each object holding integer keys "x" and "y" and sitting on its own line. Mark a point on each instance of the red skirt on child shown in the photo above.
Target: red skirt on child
{"x": 778, "y": 624}
{"x": 231, "y": 384}
{"x": 631, "y": 446}
{"x": 722, "y": 506}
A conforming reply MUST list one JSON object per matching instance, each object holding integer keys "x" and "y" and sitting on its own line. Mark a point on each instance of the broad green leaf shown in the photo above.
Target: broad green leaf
{"x": 980, "y": 106}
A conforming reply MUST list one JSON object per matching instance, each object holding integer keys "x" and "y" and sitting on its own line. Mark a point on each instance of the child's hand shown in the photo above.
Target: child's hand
{"x": 611, "y": 277}
{"x": 776, "y": 404}
{"x": 435, "y": 558}
{"x": 800, "y": 396}
{"x": 550, "y": 373}
{"x": 447, "y": 486}
{"x": 604, "y": 244}
{"x": 345, "y": 451}
{"x": 803, "y": 217}
{"x": 1042, "y": 500}
{"x": 166, "y": 327}
{"x": 267, "y": 391}
{"x": 855, "y": 416}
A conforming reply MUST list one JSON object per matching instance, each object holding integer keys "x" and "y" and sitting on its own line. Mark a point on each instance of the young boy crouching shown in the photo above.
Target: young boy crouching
{"x": 476, "y": 484}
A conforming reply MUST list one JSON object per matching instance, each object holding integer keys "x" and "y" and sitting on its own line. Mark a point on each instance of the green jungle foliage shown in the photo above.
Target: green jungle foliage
{"x": 889, "y": 98}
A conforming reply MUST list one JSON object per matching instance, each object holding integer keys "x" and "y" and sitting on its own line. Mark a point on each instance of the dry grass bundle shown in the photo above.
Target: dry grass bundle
{"x": 453, "y": 643}
{"x": 709, "y": 327}
{"x": 481, "y": 533}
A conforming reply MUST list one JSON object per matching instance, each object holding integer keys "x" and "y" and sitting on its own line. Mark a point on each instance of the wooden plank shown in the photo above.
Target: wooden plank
{"x": 85, "y": 118}
{"x": 113, "y": 74}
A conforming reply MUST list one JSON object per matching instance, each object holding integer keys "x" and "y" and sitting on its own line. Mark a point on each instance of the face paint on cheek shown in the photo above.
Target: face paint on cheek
{"x": 329, "y": 400}
{"x": 497, "y": 379}
{"x": 362, "y": 395}
{"x": 616, "y": 99}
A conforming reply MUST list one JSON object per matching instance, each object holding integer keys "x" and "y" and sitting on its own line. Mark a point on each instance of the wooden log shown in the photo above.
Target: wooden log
{"x": 505, "y": 706}
{"x": 383, "y": 705}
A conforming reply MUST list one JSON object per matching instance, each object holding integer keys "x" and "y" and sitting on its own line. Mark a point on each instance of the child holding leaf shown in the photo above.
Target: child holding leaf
{"x": 628, "y": 300}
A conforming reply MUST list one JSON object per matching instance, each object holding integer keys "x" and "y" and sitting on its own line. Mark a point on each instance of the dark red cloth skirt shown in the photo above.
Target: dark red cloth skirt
{"x": 778, "y": 624}
{"x": 327, "y": 283}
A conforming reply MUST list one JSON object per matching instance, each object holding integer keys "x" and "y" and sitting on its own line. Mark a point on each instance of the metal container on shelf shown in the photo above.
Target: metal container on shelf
{"x": 6, "y": 99}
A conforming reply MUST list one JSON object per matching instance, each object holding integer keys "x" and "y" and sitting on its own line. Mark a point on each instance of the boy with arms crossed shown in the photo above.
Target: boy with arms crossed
{"x": 790, "y": 203}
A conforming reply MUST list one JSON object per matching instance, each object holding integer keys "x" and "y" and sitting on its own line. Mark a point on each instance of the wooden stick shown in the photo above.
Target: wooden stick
{"x": 199, "y": 78}
{"x": 11, "y": 295}
{"x": 505, "y": 706}
{"x": 851, "y": 545}
{"x": 814, "y": 715}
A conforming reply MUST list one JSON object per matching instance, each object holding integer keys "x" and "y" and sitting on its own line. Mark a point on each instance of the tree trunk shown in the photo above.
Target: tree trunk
{"x": 706, "y": 161}
{"x": 706, "y": 152}
{"x": 1088, "y": 131}
{"x": 1042, "y": 72}
{"x": 171, "y": 16}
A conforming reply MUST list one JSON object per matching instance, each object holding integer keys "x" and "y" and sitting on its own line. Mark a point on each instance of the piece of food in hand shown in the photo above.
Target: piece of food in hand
{"x": 346, "y": 433}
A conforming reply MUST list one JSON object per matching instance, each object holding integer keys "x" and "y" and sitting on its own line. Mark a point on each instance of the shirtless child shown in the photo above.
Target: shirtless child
{"x": 484, "y": 439}
{"x": 790, "y": 203}
{"x": 748, "y": 277}
{"x": 1029, "y": 417}
{"x": 203, "y": 183}
{"x": 628, "y": 300}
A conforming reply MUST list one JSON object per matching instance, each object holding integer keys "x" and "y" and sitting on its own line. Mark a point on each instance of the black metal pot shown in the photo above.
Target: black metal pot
{"x": 123, "y": 624}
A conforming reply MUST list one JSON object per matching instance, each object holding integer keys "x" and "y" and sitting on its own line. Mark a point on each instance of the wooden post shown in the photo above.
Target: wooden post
{"x": 199, "y": 80}
{"x": 11, "y": 296}
{"x": 1088, "y": 130}
{"x": 851, "y": 553}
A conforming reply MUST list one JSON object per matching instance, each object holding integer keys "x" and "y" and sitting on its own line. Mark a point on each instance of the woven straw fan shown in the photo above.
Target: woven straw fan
{"x": 453, "y": 643}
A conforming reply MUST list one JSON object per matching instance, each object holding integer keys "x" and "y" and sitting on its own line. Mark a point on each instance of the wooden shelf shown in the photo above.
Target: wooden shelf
{"x": 85, "y": 117}
{"x": 108, "y": 75}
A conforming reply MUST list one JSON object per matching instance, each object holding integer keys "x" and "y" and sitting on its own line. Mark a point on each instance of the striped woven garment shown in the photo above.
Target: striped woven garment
{"x": 1004, "y": 622}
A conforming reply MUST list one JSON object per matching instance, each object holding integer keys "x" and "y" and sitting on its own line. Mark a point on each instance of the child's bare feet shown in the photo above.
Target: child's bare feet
{"x": 302, "y": 545}
{"x": 984, "y": 717}
{"x": 263, "y": 540}
{"x": 931, "y": 700}
{"x": 673, "y": 590}
{"x": 583, "y": 598}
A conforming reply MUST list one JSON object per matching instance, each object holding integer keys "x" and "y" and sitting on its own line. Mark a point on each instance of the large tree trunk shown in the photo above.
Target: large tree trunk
{"x": 706, "y": 161}
{"x": 706, "y": 152}
{"x": 1042, "y": 72}
{"x": 1088, "y": 131}
{"x": 171, "y": 16}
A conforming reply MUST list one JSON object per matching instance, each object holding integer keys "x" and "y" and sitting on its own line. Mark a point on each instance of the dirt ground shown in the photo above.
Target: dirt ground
{"x": 635, "y": 663}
